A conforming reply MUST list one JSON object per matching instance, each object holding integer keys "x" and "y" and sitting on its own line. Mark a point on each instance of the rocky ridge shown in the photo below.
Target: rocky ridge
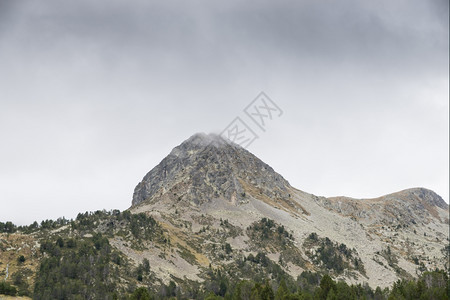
{"x": 208, "y": 167}
{"x": 402, "y": 208}
{"x": 206, "y": 180}
{"x": 211, "y": 207}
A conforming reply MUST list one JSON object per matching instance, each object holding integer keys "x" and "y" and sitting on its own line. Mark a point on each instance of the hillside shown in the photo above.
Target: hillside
{"x": 210, "y": 215}
{"x": 206, "y": 180}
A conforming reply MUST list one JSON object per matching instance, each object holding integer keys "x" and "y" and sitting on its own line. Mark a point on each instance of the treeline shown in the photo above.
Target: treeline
{"x": 79, "y": 263}
{"x": 141, "y": 225}
{"x": 312, "y": 286}
{"x": 267, "y": 229}
{"x": 83, "y": 219}
{"x": 9, "y": 227}
{"x": 83, "y": 265}
{"x": 97, "y": 283}
{"x": 77, "y": 269}
{"x": 333, "y": 256}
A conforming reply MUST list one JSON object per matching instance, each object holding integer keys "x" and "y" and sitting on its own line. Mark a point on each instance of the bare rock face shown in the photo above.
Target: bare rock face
{"x": 402, "y": 208}
{"x": 207, "y": 167}
{"x": 210, "y": 191}
{"x": 427, "y": 197}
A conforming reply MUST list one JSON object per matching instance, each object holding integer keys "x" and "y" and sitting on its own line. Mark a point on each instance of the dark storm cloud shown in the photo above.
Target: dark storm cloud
{"x": 88, "y": 88}
{"x": 386, "y": 33}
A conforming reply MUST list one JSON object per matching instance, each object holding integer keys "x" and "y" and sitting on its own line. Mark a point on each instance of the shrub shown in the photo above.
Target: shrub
{"x": 7, "y": 289}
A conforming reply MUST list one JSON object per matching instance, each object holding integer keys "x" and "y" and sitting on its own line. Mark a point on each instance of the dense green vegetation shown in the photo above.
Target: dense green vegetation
{"x": 7, "y": 289}
{"x": 266, "y": 229}
{"x": 140, "y": 225}
{"x": 82, "y": 268}
{"x": 78, "y": 262}
{"x": 431, "y": 285}
{"x": 9, "y": 227}
{"x": 334, "y": 257}
{"x": 85, "y": 266}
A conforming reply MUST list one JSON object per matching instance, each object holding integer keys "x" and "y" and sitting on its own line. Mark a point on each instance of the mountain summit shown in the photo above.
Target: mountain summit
{"x": 220, "y": 207}
{"x": 211, "y": 215}
{"x": 207, "y": 168}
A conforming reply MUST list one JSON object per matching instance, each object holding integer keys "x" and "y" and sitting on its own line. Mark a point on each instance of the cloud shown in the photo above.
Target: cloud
{"x": 95, "y": 93}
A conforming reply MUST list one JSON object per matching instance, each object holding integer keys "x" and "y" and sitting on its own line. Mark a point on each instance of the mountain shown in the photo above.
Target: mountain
{"x": 206, "y": 168}
{"x": 210, "y": 215}
{"x": 405, "y": 207}
{"x": 207, "y": 179}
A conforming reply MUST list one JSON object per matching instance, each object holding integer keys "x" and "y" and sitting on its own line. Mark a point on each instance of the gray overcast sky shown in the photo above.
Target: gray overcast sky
{"x": 93, "y": 94}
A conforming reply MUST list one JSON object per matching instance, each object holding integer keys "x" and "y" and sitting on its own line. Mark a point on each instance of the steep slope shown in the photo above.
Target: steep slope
{"x": 211, "y": 212}
{"x": 206, "y": 181}
{"x": 207, "y": 168}
{"x": 401, "y": 208}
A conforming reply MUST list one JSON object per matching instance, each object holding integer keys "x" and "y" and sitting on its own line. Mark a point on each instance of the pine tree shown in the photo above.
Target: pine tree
{"x": 282, "y": 291}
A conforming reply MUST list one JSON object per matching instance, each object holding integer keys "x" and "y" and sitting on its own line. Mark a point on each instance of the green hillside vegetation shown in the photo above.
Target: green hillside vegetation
{"x": 267, "y": 234}
{"x": 331, "y": 256}
{"x": 431, "y": 285}
{"x": 77, "y": 261}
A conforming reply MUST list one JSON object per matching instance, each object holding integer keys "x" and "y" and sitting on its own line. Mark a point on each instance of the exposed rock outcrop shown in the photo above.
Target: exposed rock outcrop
{"x": 207, "y": 167}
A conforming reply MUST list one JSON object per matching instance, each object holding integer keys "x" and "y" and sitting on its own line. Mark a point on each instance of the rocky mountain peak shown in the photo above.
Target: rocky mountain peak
{"x": 408, "y": 206}
{"x": 206, "y": 167}
{"x": 425, "y": 196}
